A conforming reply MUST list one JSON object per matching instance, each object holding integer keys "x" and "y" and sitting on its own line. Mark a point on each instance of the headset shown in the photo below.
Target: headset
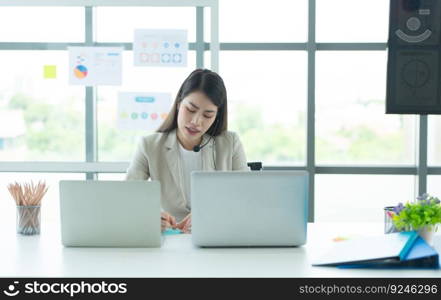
{"x": 198, "y": 148}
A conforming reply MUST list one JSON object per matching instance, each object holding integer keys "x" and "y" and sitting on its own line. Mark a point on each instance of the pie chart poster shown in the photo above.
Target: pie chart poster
{"x": 95, "y": 66}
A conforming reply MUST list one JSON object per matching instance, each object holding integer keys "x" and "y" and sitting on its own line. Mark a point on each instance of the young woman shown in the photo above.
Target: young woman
{"x": 193, "y": 137}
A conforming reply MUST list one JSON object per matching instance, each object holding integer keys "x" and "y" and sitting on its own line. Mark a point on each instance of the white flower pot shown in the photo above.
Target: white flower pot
{"x": 427, "y": 233}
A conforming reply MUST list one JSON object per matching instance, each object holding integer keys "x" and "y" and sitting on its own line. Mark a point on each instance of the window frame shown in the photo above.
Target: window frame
{"x": 91, "y": 167}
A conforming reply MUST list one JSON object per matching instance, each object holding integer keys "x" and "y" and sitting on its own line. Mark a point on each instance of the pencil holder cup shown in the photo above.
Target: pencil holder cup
{"x": 28, "y": 219}
{"x": 389, "y": 226}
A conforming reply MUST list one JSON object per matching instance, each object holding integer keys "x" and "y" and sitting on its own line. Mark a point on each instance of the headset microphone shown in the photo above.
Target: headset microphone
{"x": 198, "y": 148}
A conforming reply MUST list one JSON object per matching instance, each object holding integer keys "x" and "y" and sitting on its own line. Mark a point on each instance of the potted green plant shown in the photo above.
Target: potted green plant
{"x": 422, "y": 215}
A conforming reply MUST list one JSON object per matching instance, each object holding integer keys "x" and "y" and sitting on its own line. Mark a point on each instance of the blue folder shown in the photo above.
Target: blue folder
{"x": 395, "y": 249}
{"x": 420, "y": 255}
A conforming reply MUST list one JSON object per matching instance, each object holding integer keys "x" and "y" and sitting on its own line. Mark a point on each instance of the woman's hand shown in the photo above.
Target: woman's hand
{"x": 167, "y": 221}
{"x": 185, "y": 224}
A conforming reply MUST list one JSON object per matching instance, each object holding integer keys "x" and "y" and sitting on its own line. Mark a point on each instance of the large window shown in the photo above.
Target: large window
{"x": 299, "y": 100}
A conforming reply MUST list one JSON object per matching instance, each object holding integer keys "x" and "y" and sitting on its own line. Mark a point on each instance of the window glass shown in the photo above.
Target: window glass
{"x": 42, "y": 24}
{"x": 42, "y": 115}
{"x": 359, "y": 198}
{"x": 351, "y": 124}
{"x": 117, "y": 24}
{"x": 267, "y": 103}
{"x": 262, "y": 21}
{"x": 434, "y": 140}
{"x": 352, "y": 21}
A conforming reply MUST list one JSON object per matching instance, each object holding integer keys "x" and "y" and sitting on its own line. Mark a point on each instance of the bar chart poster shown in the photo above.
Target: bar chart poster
{"x": 142, "y": 111}
{"x": 95, "y": 66}
{"x": 160, "y": 48}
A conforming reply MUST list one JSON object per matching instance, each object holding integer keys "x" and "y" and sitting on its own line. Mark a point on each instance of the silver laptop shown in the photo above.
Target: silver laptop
{"x": 110, "y": 213}
{"x": 240, "y": 209}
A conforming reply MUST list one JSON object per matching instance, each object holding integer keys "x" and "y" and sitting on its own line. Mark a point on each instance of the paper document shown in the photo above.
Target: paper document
{"x": 160, "y": 48}
{"x": 142, "y": 111}
{"x": 95, "y": 65}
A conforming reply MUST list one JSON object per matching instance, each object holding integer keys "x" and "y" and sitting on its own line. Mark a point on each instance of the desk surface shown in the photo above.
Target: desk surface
{"x": 44, "y": 256}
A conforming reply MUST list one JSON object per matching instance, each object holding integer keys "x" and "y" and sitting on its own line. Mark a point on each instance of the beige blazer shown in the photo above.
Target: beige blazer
{"x": 157, "y": 157}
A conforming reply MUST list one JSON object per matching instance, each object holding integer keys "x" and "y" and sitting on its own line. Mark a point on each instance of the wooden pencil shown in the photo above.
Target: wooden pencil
{"x": 28, "y": 197}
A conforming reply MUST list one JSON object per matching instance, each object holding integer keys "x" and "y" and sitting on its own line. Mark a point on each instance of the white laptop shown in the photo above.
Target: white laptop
{"x": 110, "y": 213}
{"x": 241, "y": 209}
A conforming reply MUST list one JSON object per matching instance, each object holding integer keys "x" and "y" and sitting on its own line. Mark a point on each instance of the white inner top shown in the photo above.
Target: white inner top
{"x": 191, "y": 161}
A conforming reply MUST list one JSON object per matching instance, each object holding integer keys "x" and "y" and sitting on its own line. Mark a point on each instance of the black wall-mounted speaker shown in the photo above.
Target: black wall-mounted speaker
{"x": 414, "y": 51}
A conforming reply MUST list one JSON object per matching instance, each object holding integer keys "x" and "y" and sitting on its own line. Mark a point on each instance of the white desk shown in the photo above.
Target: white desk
{"x": 44, "y": 256}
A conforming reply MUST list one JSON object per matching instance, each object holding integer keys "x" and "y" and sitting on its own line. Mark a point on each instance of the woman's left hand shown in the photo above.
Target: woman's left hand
{"x": 185, "y": 224}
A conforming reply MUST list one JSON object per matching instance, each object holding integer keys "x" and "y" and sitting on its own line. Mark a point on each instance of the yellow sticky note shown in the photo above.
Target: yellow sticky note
{"x": 49, "y": 72}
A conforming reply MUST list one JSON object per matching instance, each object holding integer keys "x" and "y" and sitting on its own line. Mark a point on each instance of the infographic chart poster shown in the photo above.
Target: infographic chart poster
{"x": 142, "y": 111}
{"x": 160, "y": 48}
{"x": 95, "y": 65}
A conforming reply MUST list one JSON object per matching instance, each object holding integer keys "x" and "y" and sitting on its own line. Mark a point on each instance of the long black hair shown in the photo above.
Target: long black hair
{"x": 212, "y": 85}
